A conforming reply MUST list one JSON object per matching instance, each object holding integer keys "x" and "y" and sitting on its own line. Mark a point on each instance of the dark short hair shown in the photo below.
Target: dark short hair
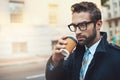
{"x": 95, "y": 13}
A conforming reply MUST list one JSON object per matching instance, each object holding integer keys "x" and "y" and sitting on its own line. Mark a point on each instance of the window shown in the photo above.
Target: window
{"x": 53, "y": 13}
{"x": 111, "y": 33}
{"x": 109, "y": 15}
{"x": 115, "y": 13}
{"x": 19, "y": 47}
{"x": 16, "y": 11}
{"x": 116, "y": 23}
{"x": 109, "y": 23}
{"x": 119, "y": 2}
{"x": 114, "y": 4}
{"x": 108, "y": 7}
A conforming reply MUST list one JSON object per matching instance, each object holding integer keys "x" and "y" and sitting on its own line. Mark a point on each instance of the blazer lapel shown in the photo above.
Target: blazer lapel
{"x": 78, "y": 61}
{"x": 97, "y": 58}
{"x": 77, "y": 66}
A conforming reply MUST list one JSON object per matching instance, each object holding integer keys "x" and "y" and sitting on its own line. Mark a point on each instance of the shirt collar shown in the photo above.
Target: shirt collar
{"x": 93, "y": 47}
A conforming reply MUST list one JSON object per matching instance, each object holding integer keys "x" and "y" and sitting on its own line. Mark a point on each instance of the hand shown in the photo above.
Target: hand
{"x": 57, "y": 54}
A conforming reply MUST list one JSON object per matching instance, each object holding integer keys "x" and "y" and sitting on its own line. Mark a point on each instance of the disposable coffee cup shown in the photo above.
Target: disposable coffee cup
{"x": 71, "y": 44}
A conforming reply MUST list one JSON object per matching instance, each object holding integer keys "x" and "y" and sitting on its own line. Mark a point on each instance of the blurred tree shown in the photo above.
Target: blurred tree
{"x": 103, "y": 2}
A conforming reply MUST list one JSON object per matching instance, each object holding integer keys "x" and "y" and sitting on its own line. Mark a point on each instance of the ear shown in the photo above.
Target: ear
{"x": 98, "y": 25}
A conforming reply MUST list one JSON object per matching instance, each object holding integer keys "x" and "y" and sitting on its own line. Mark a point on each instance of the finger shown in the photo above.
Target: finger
{"x": 57, "y": 51}
{"x": 58, "y": 47}
{"x": 62, "y": 41}
{"x": 64, "y": 37}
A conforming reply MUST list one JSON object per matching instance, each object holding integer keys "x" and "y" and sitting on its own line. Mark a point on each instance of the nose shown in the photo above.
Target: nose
{"x": 78, "y": 31}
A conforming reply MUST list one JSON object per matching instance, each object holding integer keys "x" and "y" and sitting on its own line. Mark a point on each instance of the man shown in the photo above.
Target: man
{"x": 103, "y": 60}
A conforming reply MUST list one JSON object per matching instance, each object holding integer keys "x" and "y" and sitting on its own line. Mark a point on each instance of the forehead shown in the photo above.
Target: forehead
{"x": 80, "y": 17}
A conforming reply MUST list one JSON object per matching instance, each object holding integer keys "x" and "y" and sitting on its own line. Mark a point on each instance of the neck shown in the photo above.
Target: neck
{"x": 98, "y": 37}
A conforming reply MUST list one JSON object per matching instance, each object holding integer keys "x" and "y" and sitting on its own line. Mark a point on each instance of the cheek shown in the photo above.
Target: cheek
{"x": 90, "y": 32}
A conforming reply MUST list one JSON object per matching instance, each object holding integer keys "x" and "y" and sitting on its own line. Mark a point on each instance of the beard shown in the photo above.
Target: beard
{"x": 87, "y": 40}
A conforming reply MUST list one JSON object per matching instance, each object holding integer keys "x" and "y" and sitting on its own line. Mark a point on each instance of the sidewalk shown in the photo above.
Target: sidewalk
{"x": 21, "y": 60}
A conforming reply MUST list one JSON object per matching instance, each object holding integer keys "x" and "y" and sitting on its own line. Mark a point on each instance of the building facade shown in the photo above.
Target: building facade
{"x": 32, "y": 27}
{"x": 111, "y": 19}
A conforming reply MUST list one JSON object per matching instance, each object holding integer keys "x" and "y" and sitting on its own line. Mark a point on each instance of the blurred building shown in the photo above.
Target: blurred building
{"x": 111, "y": 20}
{"x": 32, "y": 27}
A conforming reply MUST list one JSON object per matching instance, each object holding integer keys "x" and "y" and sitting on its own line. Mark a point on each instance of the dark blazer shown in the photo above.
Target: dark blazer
{"x": 105, "y": 64}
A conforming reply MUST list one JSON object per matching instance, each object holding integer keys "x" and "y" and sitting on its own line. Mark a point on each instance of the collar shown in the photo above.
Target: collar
{"x": 102, "y": 45}
{"x": 93, "y": 47}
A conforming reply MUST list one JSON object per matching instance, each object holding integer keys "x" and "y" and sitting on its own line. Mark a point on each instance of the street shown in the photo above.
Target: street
{"x": 31, "y": 71}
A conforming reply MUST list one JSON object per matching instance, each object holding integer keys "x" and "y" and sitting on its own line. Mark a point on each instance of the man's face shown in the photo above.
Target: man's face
{"x": 86, "y": 37}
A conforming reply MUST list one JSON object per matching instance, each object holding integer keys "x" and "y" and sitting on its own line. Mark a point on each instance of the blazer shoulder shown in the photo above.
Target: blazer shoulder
{"x": 114, "y": 46}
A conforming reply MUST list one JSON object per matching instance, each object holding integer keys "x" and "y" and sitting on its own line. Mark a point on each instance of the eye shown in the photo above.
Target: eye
{"x": 82, "y": 25}
{"x": 72, "y": 27}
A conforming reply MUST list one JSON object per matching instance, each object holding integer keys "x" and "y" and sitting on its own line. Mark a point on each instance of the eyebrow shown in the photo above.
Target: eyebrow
{"x": 81, "y": 22}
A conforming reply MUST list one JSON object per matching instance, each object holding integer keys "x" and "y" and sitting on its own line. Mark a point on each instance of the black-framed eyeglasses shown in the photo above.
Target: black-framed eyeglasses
{"x": 82, "y": 26}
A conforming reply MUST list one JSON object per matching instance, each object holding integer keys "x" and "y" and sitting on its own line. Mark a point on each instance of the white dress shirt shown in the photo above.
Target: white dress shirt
{"x": 92, "y": 50}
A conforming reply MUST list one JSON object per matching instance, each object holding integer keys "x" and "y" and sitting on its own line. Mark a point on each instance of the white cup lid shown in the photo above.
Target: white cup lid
{"x": 65, "y": 53}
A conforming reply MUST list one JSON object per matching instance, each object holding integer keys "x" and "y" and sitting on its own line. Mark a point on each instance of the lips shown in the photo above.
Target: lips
{"x": 81, "y": 38}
